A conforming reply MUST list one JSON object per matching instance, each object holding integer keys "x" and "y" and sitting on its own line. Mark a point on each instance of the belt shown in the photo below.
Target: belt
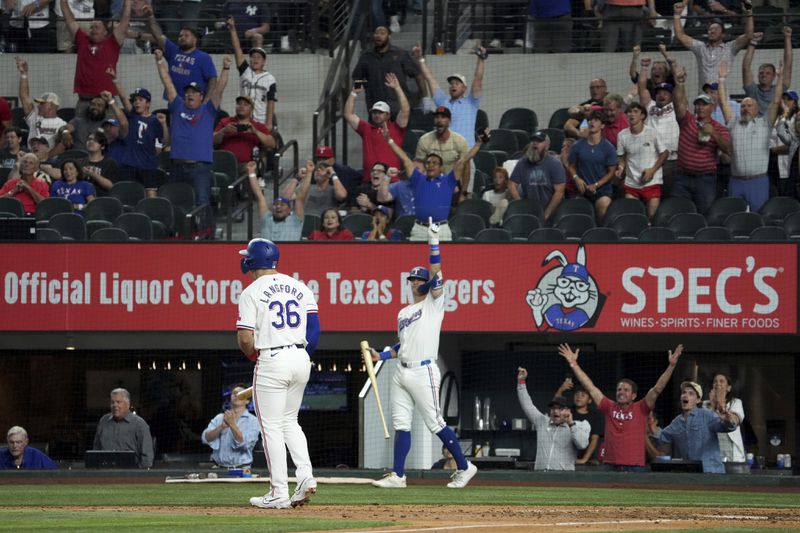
{"x": 414, "y": 364}
{"x": 180, "y": 163}
{"x": 746, "y": 178}
{"x": 440, "y": 222}
{"x": 286, "y": 346}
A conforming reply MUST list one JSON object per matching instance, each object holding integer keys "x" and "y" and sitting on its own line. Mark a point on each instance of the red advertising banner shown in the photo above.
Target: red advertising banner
{"x": 636, "y": 288}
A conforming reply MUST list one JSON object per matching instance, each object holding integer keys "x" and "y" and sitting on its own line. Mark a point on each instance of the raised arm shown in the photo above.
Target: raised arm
{"x": 24, "y": 88}
{"x": 427, "y": 73}
{"x": 633, "y": 69}
{"x": 680, "y": 101}
{"x": 747, "y": 61}
{"x": 121, "y": 29}
{"x": 572, "y": 359}
{"x": 405, "y": 108}
{"x": 658, "y": 388}
{"x": 118, "y": 114}
{"x": 477, "y": 80}
{"x": 530, "y": 410}
{"x": 222, "y": 81}
{"x": 727, "y": 112}
{"x": 408, "y": 165}
{"x": 349, "y": 112}
{"x": 237, "y": 46}
{"x": 152, "y": 24}
{"x": 787, "y": 58}
{"x": 304, "y": 188}
{"x": 677, "y": 26}
{"x": 775, "y": 104}
{"x": 743, "y": 39}
{"x": 436, "y": 283}
{"x": 641, "y": 87}
{"x": 69, "y": 17}
{"x": 163, "y": 73}
{"x": 126, "y": 103}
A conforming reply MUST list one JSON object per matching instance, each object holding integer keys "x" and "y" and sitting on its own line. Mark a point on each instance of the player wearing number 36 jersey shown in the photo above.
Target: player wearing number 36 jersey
{"x": 416, "y": 380}
{"x": 278, "y": 328}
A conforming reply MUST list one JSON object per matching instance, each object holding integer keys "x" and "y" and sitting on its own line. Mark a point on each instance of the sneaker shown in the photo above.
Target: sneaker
{"x": 390, "y": 481}
{"x": 285, "y": 46}
{"x": 270, "y": 502}
{"x": 394, "y": 24}
{"x": 495, "y": 43}
{"x": 303, "y": 491}
{"x": 462, "y": 477}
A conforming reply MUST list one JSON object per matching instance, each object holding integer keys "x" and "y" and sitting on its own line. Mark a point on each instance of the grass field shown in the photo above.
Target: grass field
{"x": 212, "y": 507}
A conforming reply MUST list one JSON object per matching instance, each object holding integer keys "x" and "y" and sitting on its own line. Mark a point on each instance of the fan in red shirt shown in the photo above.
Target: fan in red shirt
{"x": 625, "y": 419}
{"x": 241, "y": 133}
{"x": 332, "y": 229}
{"x": 98, "y": 50}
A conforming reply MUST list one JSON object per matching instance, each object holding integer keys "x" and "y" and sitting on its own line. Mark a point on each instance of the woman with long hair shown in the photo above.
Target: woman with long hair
{"x": 731, "y": 446}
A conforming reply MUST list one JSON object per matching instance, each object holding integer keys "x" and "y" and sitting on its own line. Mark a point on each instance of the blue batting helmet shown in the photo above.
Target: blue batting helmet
{"x": 260, "y": 253}
{"x": 419, "y": 272}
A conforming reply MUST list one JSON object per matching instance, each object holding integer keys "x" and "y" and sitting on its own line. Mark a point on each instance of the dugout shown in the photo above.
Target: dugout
{"x": 178, "y": 354}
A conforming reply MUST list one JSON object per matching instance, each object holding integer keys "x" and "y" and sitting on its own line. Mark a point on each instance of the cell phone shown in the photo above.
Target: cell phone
{"x": 242, "y": 127}
{"x": 483, "y": 136}
{"x": 482, "y": 55}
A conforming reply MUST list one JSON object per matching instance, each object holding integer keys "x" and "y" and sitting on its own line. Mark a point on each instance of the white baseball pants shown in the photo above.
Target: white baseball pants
{"x": 416, "y": 386}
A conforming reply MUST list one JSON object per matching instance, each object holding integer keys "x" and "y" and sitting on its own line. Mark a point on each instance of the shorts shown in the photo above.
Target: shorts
{"x": 644, "y": 194}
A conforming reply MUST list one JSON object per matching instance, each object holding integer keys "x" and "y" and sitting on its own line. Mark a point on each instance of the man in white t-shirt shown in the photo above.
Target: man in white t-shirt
{"x": 278, "y": 328}
{"x": 661, "y": 116}
{"x": 42, "y": 119}
{"x": 254, "y": 80}
{"x": 641, "y": 154}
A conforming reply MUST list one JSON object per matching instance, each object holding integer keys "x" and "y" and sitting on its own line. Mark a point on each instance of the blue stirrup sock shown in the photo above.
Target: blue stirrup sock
{"x": 402, "y": 445}
{"x": 448, "y": 437}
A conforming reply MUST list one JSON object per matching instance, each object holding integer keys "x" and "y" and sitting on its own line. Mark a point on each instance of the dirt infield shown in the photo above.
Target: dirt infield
{"x": 504, "y": 518}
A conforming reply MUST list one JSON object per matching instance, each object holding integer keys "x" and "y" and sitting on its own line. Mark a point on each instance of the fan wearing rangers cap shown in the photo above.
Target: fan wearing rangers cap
{"x": 416, "y": 381}
{"x": 278, "y": 328}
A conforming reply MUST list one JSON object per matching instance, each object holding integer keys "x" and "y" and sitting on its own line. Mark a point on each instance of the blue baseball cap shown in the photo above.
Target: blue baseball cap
{"x": 112, "y": 121}
{"x": 282, "y": 199}
{"x": 419, "y": 272}
{"x": 792, "y": 95}
{"x": 140, "y": 91}
{"x": 575, "y": 270}
{"x": 382, "y": 208}
{"x": 665, "y": 86}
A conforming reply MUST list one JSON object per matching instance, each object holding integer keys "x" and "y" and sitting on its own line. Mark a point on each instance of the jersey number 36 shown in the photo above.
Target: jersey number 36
{"x": 285, "y": 313}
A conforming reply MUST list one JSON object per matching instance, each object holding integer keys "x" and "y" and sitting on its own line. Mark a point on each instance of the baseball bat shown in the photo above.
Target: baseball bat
{"x": 367, "y": 356}
{"x": 245, "y": 394}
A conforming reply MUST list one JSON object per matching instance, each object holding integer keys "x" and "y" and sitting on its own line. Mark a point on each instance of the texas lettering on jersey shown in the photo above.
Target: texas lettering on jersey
{"x": 404, "y": 322}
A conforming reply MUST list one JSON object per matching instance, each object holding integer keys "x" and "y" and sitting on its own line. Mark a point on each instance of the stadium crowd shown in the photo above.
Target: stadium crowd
{"x": 626, "y": 163}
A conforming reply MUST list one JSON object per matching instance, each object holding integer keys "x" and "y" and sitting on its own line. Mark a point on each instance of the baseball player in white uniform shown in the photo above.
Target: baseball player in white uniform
{"x": 278, "y": 328}
{"x": 416, "y": 381}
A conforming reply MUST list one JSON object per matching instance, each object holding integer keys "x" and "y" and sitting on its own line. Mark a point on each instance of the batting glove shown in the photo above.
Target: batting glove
{"x": 433, "y": 232}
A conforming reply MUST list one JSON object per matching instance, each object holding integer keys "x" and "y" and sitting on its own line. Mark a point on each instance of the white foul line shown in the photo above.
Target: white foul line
{"x": 554, "y": 524}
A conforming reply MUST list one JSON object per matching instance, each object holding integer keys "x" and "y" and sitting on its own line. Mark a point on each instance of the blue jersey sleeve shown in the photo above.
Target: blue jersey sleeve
{"x": 312, "y": 332}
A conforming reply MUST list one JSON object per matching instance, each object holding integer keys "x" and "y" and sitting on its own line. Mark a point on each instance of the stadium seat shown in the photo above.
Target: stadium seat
{"x": 769, "y": 234}
{"x": 6, "y": 214}
{"x": 66, "y": 113}
{"x": 136, "y": 225}
{"x": 521, "y": 225}
{"x": 480, "y": 183}
{"x": 405, "y": 224}
{"x": 546, "y": 235}
{"x": 686, "y": 225}
{"x": 601, "y": 234}
{"x": 570, "y": 206}
{"x": 466, "y": 225}
{"x": 519, "y": 118}
{"x": 575, "y": 225}
{"x": 777, "y": 208}
{"x": 524, "y": 206}
{"x": 713, "y": 234}
{"x": 419, "y": 120}
{"x": 559, "y": 118}
{"x": 621, "y": 206}
{"x": 722, "y": 208}
{"x": 523, "y": 138}
{"x": 501, "y": 156}
{"x": 475, "y": 206}
{"x": 669, "y": 207}
{"x": 110, "y": 235}
{"x": 162, "y": 215}
{"x": 103, "y": 208}
{"x": 310, "y": 224}
{"x": 47, "y": 235}
{"x": 127, "y": 192}
{"x": 49, "y": 207}
{"x": 410, "y": 141}
{"x": 12, "y": 205}
{"x": 485, "y": 162}
{"x": 630, "y": 225}
{"x": 92, "y": 226}
{"x": 493, "y": 235}
{"x": 73, "y": 154}
{"x": 71, "y": 226}
{"x": 502, "y": 139}
{"x": 792, "y": 225}
{"x": 556, "y": 139}
{"x": 357, "y": 223}
{"x": 741, "y": 225}
{"x": 481, "y": 120}
{"x": 657, "y": 234}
